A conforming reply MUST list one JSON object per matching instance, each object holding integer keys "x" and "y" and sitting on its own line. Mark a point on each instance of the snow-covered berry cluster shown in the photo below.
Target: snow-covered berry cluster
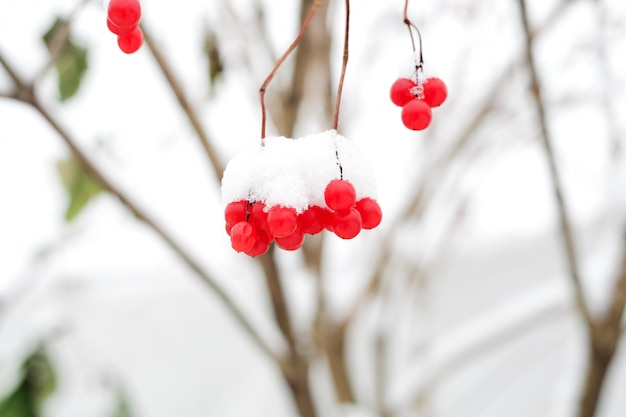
{"x": 283, "y": 189}
{"x": 123, "y": 18}
{"x": 417, "y": 94}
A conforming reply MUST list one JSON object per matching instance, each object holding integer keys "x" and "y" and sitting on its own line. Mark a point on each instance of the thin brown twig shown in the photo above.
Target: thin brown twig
{"x": 411, "y": 26}
{"x": 567, "y": 234}
{"x": 305, "y": 24}
{"x": 25, "y": 95}
{"x": 344, "y": 65}
{"x": 186, "y": 106}
{"x": 17, "y": 80}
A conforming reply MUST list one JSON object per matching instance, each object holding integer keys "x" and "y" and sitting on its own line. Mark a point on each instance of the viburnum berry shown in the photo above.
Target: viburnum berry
{"x": 340, "y": 195}
{"x": 435, "y": 91}
{"x": 258, "y": 216}
{"x": 371, "y": 214}
{"x": 243, "y": 236}
{"x": 292, "y": 241}
{"x": 328, "y": 219}
{"x": 130, "y": 42}
{"x": 311, "y": 220}
{"x": 124, "y": 13}
{"x": 281, "y": 221}
{"x": 347, "y": 223}
{"x": 234, "y": 213}
{"x": 261, "y": 244}
{"x": 118, "y": 30}
{"x": 416, "y": 115}
{"x": 401, "y": 91}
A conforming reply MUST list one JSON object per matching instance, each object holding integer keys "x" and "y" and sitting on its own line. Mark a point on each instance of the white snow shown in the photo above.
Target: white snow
{"x": 295, "y": 172}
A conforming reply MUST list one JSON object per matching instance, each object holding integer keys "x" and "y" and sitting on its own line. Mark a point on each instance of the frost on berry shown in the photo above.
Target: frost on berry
{"x": 402, "y": 91}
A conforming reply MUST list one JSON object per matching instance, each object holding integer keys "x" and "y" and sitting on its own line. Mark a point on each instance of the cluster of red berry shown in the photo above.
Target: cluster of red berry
{"x": 417, "y": 99}
{"x": 252, "y": 226}
{"x": 285, "y": 189}
{"x": 123, "y": 20}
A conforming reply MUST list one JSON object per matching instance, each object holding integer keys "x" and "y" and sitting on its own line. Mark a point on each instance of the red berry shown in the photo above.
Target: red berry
{"x": 124, "y": 13}
{"x": 130, "y": 42}
{"x": 328, "y": 219}
{"x": 416, "y": 115}
{"x": 258, "y": 216}
{"x": 347, "y": 223}
{"x": 340, "y": 195}
{"x": 401, "y": 91}
{"x": 311, "y": 220}
{"x": 281, "y": 221}
{"x": 292, "y": 241}
{"x": 261, "y": 244}
{"x": 435, "y": 92}
{"x": 242, "y": 236}
{"x": 371, "y": 214}
{"x": 118, "y": 30}
{"x": 234, "y": 213}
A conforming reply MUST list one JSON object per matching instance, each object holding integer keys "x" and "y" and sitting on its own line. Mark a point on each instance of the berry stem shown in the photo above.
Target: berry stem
{"x": 344, "y": 65}
{"x": 411, "y": 26}
{"x": 305, "y": 24}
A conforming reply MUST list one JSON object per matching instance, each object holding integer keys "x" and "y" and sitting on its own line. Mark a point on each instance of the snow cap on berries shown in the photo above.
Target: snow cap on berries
{"x": 295, "y": 172}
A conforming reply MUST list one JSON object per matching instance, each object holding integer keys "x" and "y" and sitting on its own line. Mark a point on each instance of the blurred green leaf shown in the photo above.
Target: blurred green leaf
{"x": 18, "y": 403}
{"x": 70, "y": 60}
{"x": 36, "y": 383}
{"x": 79, "y": 185}
{"x": 123, "y": 408}
{"x": 213, "y": 55}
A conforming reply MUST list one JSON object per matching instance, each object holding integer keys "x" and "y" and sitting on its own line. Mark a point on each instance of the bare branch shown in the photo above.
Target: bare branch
{"x": 546, "y": 138}
{"x": 91, "y": 168}
{"x": 186, "y": 106}
{"x": 17, "y": 80}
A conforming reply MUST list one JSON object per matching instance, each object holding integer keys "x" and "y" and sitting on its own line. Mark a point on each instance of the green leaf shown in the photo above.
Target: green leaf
{"x": 81, "y": 188}
{"x": 36, "y": 383}
{"x": 213, "y": 55}
{"x": 122, "y": 409}
{"x": 70, "y": 59}
{"x": 18, "y": 403}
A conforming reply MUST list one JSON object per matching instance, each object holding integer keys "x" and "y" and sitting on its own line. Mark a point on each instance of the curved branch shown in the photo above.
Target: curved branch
{"x": 188, "y": 109}
{"x": 546, "y": 138}
{"x": 25, "y": 94}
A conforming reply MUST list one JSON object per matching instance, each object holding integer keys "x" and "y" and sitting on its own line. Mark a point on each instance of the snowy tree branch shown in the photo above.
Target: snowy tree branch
{"x": 25, "y": 93}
